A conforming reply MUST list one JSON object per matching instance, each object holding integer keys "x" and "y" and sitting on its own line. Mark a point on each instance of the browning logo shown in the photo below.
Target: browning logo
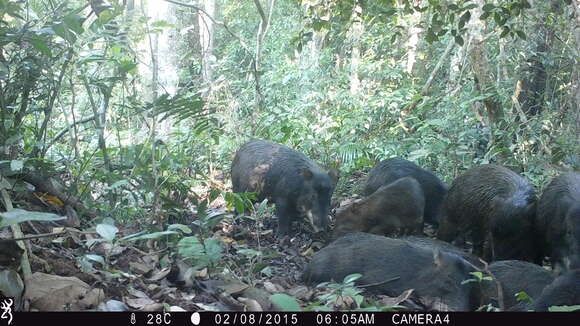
{"x": 6, "y": 305}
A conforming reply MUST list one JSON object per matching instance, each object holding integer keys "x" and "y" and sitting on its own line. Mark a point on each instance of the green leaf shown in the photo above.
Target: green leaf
{"x": 162, "y": 23}
{"x": 16, "y": 216}
{"x": 464, "y": 19}
{"x": 351, "y": 278}
{"x": 285, "y": 302}
{"x": 505, "y": 32}
{"x": 148, "y": 236}
{"x": 249, "y": 252}
{"x": 107, "y": 231}
{"x": 96, "y": 258}
{"x": 41, "y": 46}
{"x": 488, "y": 7}
{"x": 213, "y": 249}
{"x": 16, "y": 165}
{"x": 74, "y": 23}
{"x": 191, "y": 248}
{"x": 127, "y": 66}
{"x": 526, "y": 5}
{"x": 119, "y": 183}
{"x": 564, "y": 308}
{"x": 181, "y": 227}
{"x": 63, "y": 31}
{"x": 523, "y": 296}
{"x": 430, "y": 37}
{"x": 11, "y": 284}
{"x": 521, "y": 35}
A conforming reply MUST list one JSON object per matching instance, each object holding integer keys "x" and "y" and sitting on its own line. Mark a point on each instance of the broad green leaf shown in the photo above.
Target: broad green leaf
{"x": 16, "y": 165}
{"x": 63, "y": 31}
{"x": 16, "y": 216}
{"x": 147, "y": 236}
{"x": 107, "y": 231}
{"x": 213, "y": 248}
{"x": 11, "y": 284}
{"x": 464, "y": 19}
{"x": 505, "y": 32}
{"x": 488, "y": 7}
{"x": 351, "y": 278}
{"x": 564, "y": 308}
{"x": 119, "y": 183}
{"x": 162, "y": 23}
{"x": 181, "y": 227}
{"x": 96, "y": 258}
{"x": 249, "y": 252}
{"x": 521, "y": 35}
{"x": 74, "y": 23}
{"x": 127, "y": 66}
{"x": 285, "y": 302}
{"x": 191, "y": 249}
{"x": 41, "y": 46}
{"x": 523, "y": 296}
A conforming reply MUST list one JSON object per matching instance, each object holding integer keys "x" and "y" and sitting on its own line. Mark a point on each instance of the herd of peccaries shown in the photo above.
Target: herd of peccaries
{"x": 511, "y": 231}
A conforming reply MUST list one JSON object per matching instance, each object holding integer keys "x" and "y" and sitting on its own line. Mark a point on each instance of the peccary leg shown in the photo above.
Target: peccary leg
{"x": 284, "y": 217}
{"x": 478, "y": 238}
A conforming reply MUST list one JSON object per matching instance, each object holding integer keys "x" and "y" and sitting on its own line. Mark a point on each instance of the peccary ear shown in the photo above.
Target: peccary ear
{"x": 307, "y": 173}
{"x": 334, "y": 175}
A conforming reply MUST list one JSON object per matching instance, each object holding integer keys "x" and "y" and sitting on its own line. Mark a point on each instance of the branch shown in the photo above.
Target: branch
{"x": 260, "y": 10}
{"x": 244, "y": 45}
{"x": 67, "y": 129}
{"x": 51, "y": 101}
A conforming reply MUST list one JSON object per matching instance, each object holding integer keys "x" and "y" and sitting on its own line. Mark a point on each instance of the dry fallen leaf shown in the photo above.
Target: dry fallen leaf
{"x": 153, "y": 307}
{"x": 139, "y": 303}
{"x": 300, "y": 292}
{"x": 251, "y": 304}
{"x": 176, "y": 309}
{"x": 159, "y": 275}
{"x": 390, "y": 301}
{"x": 273, "y": 288}
{"x": 140, "y": 268}
{"x": 113, "y": 305}
{"x": 137, "y": 293}
{"x": 56, "y": 293}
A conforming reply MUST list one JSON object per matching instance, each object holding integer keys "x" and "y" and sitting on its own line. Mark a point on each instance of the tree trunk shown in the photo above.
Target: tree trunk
{"x": 206, "y": 40}
{"x": 484, "y": 80}
{"x": 356, "y": 32}
{"x": 261, "y": 35}
{"x": 576, "y": 74}
{"x": 413, "y": 36}
{"x": 100, "y": 118}
{"x": 531, "y": 86}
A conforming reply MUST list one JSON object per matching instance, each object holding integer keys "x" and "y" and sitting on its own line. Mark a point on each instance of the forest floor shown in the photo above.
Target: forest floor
{"x": 142, "y": 275}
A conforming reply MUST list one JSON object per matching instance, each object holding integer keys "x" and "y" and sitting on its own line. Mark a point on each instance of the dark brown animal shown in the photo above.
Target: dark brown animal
{"x": 396, "y": 208}
{"x": 495, "y": 205}
{"x": 389, "y": 170}
{"x": 295, "y": 183}
{"x": 558, "y": 221}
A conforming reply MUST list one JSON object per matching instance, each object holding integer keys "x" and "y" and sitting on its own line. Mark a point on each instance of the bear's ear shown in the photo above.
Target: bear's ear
{"x": 307, "y": 173}
{"x": 334, "y": 175}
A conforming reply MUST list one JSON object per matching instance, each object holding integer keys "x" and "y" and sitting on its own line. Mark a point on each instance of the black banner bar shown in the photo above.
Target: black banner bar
{"x": 287, "y": 318}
